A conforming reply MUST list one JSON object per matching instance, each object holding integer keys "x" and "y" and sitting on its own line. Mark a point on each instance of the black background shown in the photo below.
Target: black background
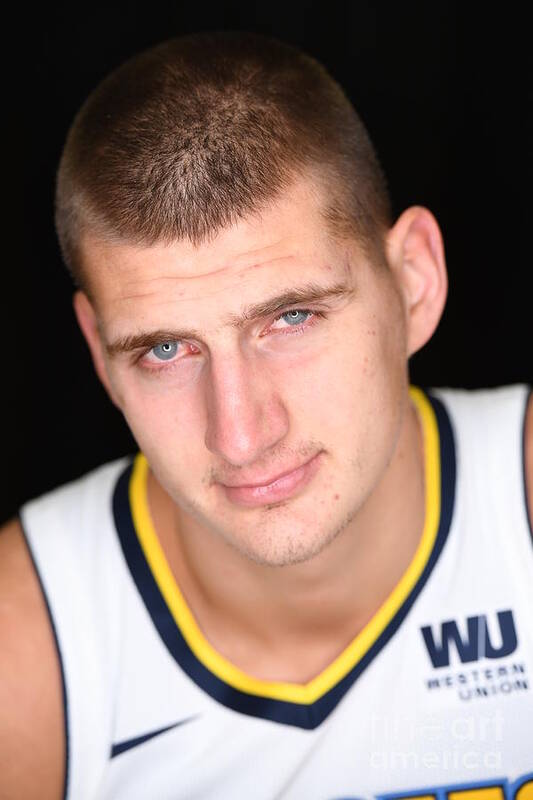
{"x": 441, "y": 89}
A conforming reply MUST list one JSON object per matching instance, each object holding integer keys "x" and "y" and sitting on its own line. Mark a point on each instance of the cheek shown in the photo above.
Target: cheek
{"x": 161, "y": 412}
{"x": 384, "y": 338}
{"x": 363, "y": 384}
{"x": 173, "y": 382}
{"x": 325, "y": 392}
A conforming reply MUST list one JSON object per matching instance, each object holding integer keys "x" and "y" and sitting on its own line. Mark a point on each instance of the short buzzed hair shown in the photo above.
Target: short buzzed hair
{"x": 186, "y": 138}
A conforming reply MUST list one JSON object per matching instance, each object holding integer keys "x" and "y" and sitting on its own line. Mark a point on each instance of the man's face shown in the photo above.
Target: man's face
{"x": 215, "y": 404}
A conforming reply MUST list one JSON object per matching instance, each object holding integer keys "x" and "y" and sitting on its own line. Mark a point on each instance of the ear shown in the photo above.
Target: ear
{"x": 415, "y": 253}
{"x": 88, "y": 322}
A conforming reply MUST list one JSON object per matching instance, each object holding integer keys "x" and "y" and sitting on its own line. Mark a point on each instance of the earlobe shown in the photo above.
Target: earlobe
{"x": 415, "y": 252}
{"x": 88, "y": 322}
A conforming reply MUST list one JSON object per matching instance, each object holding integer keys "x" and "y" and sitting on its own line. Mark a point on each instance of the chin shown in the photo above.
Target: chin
{"x": 279, "y": 549}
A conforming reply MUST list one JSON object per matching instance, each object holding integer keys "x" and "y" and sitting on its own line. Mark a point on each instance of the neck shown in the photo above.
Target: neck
{"x": 327, "y": 599}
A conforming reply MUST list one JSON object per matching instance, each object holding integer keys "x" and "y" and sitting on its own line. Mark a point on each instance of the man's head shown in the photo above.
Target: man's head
{"x": 222, "y": 386}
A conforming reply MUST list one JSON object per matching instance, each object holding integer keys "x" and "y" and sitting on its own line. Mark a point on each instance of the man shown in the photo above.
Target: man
{"x": 314, "y": 581}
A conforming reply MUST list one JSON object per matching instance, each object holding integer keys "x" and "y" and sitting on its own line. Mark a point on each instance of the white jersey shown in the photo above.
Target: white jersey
{"x": 433, "y": 698}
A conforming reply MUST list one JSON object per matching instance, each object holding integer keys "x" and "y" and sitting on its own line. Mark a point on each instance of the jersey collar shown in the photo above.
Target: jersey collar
{"x": 302, "y": 705}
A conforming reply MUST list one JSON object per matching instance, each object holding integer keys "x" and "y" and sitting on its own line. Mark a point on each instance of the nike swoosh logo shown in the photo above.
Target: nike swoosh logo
{"x": 120, "y": 747}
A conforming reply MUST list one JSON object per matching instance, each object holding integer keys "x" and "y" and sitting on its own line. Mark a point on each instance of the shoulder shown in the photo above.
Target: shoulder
{"x": 80, "y": 495}
{"x": 499, "y": 411}
{"x": 528, "y": 454}
{"x": 32, "y": 738}
{"x": 69, "y": 524}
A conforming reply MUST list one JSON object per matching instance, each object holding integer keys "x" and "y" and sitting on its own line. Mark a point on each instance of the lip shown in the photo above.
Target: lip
{"x": 279, "y": 488}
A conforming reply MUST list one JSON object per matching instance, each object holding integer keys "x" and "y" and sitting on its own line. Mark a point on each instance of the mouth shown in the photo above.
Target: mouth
{"x": 276, "y": 489}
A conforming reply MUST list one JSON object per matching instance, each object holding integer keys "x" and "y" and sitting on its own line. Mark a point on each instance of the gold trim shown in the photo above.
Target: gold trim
{"x": 318, "y": 686}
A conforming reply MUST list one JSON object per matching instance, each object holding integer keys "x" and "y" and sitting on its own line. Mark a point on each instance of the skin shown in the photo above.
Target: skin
{"x": 281, "y": 589}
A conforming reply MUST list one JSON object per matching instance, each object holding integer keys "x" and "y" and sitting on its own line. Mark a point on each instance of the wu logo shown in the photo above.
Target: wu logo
{"x": 476, "y": 644}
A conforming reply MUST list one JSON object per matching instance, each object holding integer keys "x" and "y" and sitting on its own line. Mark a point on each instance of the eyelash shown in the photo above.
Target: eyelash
{"x": 296, "y": 329}
{"x": 304, "y": 325}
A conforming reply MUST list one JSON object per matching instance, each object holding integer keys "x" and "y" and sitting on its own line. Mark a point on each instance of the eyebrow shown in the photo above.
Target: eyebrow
{"x": 307, "y": 293}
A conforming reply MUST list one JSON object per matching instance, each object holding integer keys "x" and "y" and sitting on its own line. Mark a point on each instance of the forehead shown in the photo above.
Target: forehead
{"x": 283, "y": 245}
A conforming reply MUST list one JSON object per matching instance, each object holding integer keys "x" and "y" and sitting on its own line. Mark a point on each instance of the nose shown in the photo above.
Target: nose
{"x": 245, "y": 417}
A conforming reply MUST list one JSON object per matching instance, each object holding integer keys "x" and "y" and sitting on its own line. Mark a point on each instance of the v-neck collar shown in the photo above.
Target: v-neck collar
{"x": 302, "y": 705}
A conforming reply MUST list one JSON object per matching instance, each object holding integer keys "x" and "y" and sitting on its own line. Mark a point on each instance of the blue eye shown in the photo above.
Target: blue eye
{"x": 165, "y": 351}
{"x": 294, "y": 316}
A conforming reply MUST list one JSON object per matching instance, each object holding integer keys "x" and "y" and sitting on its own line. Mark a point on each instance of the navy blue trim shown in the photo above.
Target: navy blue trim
{"x": 307, "y": 716}
{"x": 60, "y": 657}
{"x": 121, "y": 747}
{"x": 529, "y": 518}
